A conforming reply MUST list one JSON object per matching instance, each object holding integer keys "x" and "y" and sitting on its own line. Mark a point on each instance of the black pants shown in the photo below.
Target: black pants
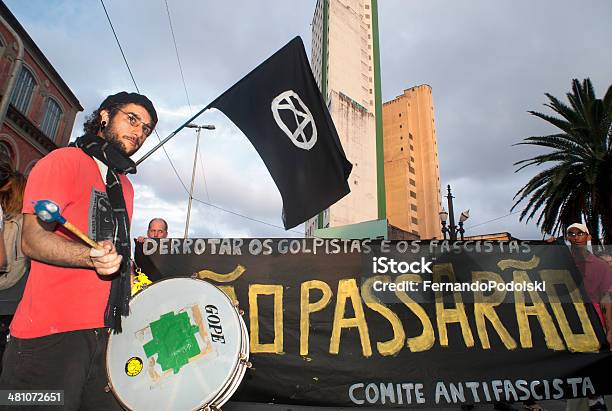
{"x": 72, "y": 361}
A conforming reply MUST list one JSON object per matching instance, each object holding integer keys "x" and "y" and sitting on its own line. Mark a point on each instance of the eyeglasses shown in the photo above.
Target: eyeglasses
{"x": 580, "y": 234}
{"x": 135, "y": 121}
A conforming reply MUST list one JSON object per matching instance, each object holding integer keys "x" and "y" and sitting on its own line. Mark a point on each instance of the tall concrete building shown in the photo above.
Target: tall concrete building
{"x": 412, "y": 174}
{"x": 346, "y": 65}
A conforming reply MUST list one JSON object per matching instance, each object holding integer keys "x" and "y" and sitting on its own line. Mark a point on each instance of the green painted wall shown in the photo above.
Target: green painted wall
{"x": 380, "y": 153}
{"x": 324, "y": 56}
{"x": 367, "y": 229}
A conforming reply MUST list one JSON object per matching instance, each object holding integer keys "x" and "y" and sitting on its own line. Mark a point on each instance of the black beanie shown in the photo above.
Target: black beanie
{"x": 127, "y": 98}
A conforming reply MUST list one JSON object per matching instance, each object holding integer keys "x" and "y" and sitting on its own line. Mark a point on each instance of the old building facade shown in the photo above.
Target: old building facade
{"x": 37, "y": 108}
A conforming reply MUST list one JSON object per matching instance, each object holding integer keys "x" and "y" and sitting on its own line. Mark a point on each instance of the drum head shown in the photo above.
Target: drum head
{"x": 179, "y": 347}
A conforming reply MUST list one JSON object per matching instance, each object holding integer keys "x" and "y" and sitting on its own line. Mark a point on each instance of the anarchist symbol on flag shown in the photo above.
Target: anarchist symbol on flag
{"x": 279, "y": 108}
{"x": 285, "y": 101}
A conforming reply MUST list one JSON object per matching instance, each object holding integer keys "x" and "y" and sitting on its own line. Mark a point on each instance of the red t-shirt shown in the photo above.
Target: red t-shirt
{"x": 58, "y": 299}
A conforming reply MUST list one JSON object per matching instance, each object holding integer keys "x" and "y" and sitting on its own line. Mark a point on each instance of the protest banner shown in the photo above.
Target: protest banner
{"x": 402, "y": 323}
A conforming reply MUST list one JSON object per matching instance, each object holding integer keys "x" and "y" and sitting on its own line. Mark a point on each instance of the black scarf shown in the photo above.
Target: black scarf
{"x": 117, "y": 163}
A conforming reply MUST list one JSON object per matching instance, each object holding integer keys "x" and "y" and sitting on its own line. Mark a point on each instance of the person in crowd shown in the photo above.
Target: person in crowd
{"x": 158, "y": 228}
{"x": 12, "y": 184}
{"x": 597, "y": 276}
{"x": 76, "y": 294}
{"x": 13, "y": 264}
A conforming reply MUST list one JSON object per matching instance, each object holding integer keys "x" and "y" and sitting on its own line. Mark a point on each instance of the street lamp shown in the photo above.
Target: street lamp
{"x": 195, "y": 157}
{"x": 452, "y": 229}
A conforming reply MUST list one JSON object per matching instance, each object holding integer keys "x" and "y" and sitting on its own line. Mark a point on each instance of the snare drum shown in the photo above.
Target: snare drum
{"x": 184, "y": 346}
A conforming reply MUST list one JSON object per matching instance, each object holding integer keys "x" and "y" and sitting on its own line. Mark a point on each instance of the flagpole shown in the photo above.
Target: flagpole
{"x": 154, "y": 149}
{"x": 165, "y": 140}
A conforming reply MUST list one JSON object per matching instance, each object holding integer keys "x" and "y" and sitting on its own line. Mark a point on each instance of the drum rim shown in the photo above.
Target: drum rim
{"x": 235, "y": 369}
{"x": 225, "y": 394}
{"x": 233, "y": 383}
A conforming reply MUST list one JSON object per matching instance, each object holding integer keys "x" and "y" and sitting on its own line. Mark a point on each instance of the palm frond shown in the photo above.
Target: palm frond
{"x": 578, "y": 185}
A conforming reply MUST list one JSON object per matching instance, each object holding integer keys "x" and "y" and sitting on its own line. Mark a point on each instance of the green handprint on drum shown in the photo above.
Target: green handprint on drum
{"x": 173, "y": 341}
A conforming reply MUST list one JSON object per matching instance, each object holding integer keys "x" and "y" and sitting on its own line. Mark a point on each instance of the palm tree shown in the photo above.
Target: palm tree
{"x": 578, "y": 183}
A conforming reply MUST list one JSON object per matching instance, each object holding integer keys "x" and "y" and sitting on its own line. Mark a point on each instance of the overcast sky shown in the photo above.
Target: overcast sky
{"x": 488, "y": 62}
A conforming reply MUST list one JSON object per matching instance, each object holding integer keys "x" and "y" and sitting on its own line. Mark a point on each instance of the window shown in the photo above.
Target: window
{"x": 400, "y": 114}
{"x": 414, "y": 220}
{"x": 401, "y": 148}
{"x": 22, "y": 93}
{"x": 411, "y": 147}
{"x": 411, "y": 169}
{"x": 413, "y": 207}
{"x": 5, "y": 151}
{"x": 410, "y": 136}
{"x": 51, "y": 119}
{"x": 412, "y": 159}
{"x": 412, "y": 182}
{"x": 412, "y": 194}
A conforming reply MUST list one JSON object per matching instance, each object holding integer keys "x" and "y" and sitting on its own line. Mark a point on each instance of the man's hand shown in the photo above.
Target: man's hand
{"x": 105, "y": 261}
{"x": 140, "y": 239}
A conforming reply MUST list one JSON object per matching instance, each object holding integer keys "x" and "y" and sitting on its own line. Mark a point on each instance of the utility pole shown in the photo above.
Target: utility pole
{"x": 195, "y": 158}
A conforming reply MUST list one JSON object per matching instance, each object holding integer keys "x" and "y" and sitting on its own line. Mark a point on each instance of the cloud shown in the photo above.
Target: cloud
{"x": 487, "y": 62}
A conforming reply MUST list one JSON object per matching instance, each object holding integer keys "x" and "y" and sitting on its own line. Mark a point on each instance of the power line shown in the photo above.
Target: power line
{"x": 138, "y": 90}
{"x": 180, "y": 66}
{"x": 490, "y": 221}
{"x": 156, "y": 133}
{"x": 119, "y": 44}
{"x": 204, "y": 176}
{"x": 248, "y": 218}
{"x": 178, "y": 59}
{"x": 206, "y": 187}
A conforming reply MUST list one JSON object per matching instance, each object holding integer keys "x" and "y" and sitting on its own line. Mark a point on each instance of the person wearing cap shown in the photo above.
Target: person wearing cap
{"x": 597, "y": 276}
{"x": 596, "y": 273}
{"x": 76, "y": 294}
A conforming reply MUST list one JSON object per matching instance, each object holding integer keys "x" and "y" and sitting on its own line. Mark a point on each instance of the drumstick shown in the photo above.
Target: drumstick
{"x": 49, "y": 212}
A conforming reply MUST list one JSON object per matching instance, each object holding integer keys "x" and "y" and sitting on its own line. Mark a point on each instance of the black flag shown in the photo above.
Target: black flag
{"x": 281, "y": 111}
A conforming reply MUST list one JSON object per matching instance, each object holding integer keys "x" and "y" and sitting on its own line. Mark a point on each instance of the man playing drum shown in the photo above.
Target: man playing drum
{"x": 75, "y": 294}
